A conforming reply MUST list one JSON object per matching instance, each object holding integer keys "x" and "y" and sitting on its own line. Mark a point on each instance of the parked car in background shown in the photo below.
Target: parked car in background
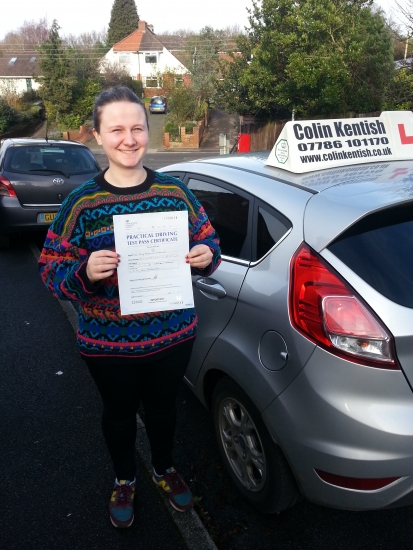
{"x": 158, "y": 104}
{"x": 304, "y": 352}
{"x": 36, "y": 175}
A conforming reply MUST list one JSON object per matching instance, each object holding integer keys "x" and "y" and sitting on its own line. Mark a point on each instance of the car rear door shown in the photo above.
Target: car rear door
{"x": 230, "y": 212}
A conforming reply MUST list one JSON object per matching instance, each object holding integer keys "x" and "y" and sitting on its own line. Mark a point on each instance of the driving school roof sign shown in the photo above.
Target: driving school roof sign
{"x": 308, "y": 145}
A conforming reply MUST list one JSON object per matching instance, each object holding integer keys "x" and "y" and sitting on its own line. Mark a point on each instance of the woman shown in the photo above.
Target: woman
{"x": 134, "y": 357}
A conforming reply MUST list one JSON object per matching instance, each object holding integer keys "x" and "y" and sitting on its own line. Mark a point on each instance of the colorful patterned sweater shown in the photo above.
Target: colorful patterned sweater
{"x": 84, "y": 224}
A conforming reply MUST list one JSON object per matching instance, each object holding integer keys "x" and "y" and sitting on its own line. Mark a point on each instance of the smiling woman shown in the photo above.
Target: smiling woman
{"x": 130, "y": 357}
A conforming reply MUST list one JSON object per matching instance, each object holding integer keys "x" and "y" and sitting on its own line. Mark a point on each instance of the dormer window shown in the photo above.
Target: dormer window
{"x": 12, "y": 60}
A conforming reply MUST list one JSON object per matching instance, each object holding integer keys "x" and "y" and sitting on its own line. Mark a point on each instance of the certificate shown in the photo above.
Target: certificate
{"x": 153, "y": 274}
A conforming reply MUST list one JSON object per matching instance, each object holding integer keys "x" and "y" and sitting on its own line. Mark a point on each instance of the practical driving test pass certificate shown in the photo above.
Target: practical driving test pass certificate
{"x": 153, "y": 274}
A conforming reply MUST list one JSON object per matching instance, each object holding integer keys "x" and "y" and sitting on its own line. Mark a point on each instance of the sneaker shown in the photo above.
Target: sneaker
{"x": 121, "y": 503}
{"x": 178, "y": 491}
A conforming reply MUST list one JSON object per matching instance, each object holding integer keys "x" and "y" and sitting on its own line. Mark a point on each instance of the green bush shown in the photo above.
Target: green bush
{"x": 8, "y": 116}
{"x": 70, "y": 122}
{"x": 136, "y": 86}
{"x": 29, "y": 96}
{"x": 189, "y": 127}
{"x": 172, "y": 128}
{"x": 183, "y": 105}
{"x": 399, "y": 92}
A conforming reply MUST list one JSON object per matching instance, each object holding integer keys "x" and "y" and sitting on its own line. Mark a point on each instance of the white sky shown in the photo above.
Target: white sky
{"x": 76, "y": 16}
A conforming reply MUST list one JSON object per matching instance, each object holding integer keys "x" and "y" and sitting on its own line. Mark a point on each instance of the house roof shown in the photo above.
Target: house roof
{"x": 144, "y": 39}
{"x": 23, "y": 64}
{"x": 182, "y": 57}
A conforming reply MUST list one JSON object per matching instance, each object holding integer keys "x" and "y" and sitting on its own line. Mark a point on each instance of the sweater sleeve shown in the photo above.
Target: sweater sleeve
{"x": 202, "y": 232}
{"x": 62, "y": 264}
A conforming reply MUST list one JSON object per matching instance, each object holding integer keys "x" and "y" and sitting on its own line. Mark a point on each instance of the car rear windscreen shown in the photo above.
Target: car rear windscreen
{"x": 379, "y": 248}
{"x": 67, "y": 159}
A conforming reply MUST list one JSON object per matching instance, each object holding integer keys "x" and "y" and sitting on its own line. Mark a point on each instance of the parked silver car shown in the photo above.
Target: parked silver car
{"x": 36, "y": 175}
{"x": 305, "y": 345}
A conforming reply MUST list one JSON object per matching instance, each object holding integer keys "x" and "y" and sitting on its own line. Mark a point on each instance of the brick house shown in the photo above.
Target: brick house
{"x": 146, "y": 56}
{"x": 17, "y": 71}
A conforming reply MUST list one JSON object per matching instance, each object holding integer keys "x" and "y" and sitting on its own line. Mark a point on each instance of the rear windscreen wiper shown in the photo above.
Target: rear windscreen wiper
{"x": 49, "y": 170}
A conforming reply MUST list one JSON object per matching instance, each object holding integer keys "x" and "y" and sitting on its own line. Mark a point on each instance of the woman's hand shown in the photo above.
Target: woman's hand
{"x": 101, "y": 264}
{"x": 199, "y": 257}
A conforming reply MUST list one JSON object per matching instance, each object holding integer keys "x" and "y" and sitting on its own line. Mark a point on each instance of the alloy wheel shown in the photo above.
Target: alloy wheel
{"x": 242, "y": 444}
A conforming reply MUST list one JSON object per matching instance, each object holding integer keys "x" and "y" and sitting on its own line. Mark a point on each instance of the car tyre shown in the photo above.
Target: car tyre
{"x": 4, "y": 242}
{"x": 254, "y": 462}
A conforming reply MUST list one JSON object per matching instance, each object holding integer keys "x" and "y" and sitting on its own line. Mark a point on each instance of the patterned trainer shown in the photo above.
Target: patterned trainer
{"x": 177, "y": 490}
{"x": 121, "y": 503}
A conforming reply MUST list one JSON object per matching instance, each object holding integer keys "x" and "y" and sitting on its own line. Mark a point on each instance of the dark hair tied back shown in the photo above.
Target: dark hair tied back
{"x": 113, "y": 95}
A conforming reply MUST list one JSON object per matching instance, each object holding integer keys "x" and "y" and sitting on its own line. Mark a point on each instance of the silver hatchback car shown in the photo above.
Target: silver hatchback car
{"x": 305, "y": 345}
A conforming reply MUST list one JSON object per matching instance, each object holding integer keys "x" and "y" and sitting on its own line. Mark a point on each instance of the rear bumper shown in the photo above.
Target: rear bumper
{"x": 350, "y": 421}
{"x": 15, "y": 218}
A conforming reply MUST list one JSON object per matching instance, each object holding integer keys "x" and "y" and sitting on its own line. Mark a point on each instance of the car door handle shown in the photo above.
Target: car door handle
{"x": 209, "y": 286}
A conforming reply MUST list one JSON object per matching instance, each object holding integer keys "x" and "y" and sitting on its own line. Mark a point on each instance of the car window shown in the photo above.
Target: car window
{"x": 379, "y": 249}
{"x": 271, "y": 228}
{"x": 69, "y": 159}
{"x": 228, "y": 213}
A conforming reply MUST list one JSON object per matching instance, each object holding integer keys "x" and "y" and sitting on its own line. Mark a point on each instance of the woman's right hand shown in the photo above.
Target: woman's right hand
{"x": 101, "y": 264}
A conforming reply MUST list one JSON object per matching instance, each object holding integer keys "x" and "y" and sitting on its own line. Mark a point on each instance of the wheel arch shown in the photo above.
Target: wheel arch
{"x": 211, "y": 379}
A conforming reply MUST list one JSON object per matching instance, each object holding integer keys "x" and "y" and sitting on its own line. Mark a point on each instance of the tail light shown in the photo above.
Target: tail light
{"x": 328, "y": 311}
{"x": 6, "y": 188}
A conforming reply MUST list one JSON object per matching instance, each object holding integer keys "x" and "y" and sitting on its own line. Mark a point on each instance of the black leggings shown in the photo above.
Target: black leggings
{"x": 121, "y": 387}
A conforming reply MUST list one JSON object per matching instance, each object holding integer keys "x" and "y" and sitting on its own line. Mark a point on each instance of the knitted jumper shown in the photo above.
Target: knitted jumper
{"x": 83, "y": 225}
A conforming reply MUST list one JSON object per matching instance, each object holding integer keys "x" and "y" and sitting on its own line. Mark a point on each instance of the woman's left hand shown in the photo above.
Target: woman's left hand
{"x": 199, "y": 257}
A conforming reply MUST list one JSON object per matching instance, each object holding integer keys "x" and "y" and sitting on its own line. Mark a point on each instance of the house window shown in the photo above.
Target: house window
{"x": 12, "y": 60}
{"x": 124, "y": 58}
{"x": 151, "y": 58}
{"x": 152, "y": 83}
{"x": 29, "y": 84}
{"x": 179, "y": 81}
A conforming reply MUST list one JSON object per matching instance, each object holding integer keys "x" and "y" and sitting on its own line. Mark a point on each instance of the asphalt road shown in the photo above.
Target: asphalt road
{"x": 56, "y": 476}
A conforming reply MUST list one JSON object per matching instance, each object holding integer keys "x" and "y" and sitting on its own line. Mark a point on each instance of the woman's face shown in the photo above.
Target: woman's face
{"x": 123, "y": 134}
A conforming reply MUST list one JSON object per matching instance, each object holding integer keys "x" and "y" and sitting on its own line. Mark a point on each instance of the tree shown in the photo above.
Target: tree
{"x": 124, "y": 20}
{"x": 57, "y": 80}
{"x": 202, "y": 60}
{"x": 115, "y": 74}
{"x": 28, "y": 36}
{"x": 232, "y": 93}
{"x": 313, "y": 56}
{"x": 86, "y": 52}
{"x": 399, "y": 92}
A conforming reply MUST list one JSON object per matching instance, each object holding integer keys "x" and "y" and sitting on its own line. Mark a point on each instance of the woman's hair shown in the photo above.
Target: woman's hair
{"x": 113, "y": 95}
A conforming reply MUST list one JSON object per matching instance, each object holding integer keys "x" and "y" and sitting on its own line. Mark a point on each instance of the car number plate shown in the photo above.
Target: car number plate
{"x": 46, "y": 217}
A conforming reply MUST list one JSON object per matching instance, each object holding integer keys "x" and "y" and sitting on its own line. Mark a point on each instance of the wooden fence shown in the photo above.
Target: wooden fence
{"x": 265, "y": 134}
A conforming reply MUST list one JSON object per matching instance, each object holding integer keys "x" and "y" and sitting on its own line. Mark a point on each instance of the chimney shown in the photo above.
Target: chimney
{"x": 141, "y": 25}
{"x": 150, "y": 27}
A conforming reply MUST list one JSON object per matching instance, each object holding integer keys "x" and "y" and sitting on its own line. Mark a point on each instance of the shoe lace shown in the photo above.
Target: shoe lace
{"x": 176, "y": 483}
{"x": 123, "y": 495}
